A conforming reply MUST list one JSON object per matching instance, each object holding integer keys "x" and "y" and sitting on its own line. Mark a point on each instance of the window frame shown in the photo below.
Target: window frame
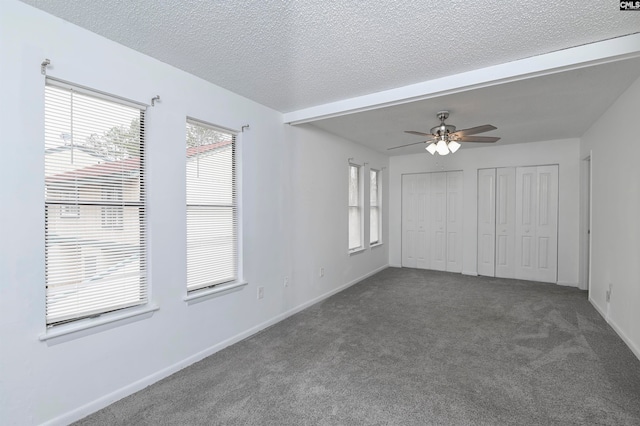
{"x": 71, "y": 202}
{"x": 231, "y": 282}
{"x": 358, "y": 206}
{"x": 378, "y": 206}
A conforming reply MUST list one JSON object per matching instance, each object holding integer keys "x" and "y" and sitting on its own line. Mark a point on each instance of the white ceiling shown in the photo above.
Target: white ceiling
{"x": 295, "y": 54}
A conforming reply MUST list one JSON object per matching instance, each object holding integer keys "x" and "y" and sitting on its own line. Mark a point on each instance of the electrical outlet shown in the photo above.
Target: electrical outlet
{"x": 321, "y": 272}
{"x": 286, "y": 281}
{"x": 260, "y": 292}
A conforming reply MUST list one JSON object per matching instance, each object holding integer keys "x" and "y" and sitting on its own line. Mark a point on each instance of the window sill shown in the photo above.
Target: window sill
{"x": 376, "y": 245}
{"x": 357, "y": 250}
{"x": 216, "y": 291}
{"x": 63, "y": 330}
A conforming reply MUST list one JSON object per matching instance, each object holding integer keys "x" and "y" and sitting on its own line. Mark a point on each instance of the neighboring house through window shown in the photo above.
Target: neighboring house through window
{"x": 113, "y": 211}
{"x": 94, "y": 173}
{"x": 68, "y": 209}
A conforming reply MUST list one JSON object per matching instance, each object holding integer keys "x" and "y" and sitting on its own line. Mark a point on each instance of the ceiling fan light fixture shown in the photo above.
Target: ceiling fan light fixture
{"x": 441, "y": 147}
{"x": 453, "y": 146}
{"x": 431, "y": 148}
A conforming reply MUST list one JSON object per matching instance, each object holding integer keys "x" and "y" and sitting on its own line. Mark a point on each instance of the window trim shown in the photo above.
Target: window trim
{"x": 88, "y": 323}
{"x": 361, "y": 246}
{"x": 214, "y": 291}
{"x": 116, "y": 312}
{"x": 222, "y": 286}
{"x": 378, "y": 172}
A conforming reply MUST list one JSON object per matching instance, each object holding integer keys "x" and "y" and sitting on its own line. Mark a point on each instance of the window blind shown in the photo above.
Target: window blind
{"x": 374, "y": 207}
{"x": 95, "y": 239}
{"x": 355, "y": 213}
{"x": 212, "y": 247}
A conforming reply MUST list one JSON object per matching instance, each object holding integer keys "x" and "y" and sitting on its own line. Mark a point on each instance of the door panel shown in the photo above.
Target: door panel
{"x": 486, "y": 222}
{"x": 526, "y": 201}
{"x": 537, "y": 223}
{"x": 454, "y": 222}
{"x": 543, "y": 253}
{"x": 409, "y": 222}
{"x": 547, "y": 224}
{"x": 423, "y": 184}
{"x": 505, "y": 222}
{"x": 439, "y": 221}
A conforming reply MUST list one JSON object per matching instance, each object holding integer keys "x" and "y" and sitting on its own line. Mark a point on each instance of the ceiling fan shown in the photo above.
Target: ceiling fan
{"x": 445, "y": 138}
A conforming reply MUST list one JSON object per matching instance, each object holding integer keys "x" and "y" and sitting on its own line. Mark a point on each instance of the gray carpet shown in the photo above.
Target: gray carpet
{"x": 410, "y": 347}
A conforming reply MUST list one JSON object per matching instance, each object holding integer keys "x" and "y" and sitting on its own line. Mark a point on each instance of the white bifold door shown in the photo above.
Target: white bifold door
{"x": 486, "y": 222}
{"x": 518, "y": 222}
{"x": 415, "y": 220}
{"x": 432, "y": 221}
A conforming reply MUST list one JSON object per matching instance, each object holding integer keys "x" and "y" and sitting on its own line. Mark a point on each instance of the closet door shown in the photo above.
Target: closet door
{"x": 409, "y": 221}
{"x": 505, "y": 222}
{"x": 415, "y": 220}
{"x": 423, "y": 185}
{"x": 453, "y": 218}
{"x": 547, "y": 224}
{"x": 486, "y": 221}
{"x": 526, "y": 191}
{"x": 438, "y": 234}
{"x": 537, "y": 223}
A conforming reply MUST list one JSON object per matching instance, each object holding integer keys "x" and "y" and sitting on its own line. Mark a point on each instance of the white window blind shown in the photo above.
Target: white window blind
{"x": 374, "y": 207}
{"x": 355, "y": 210}
{"x": 212, "y": 249}
{"x": 95, "y": 242}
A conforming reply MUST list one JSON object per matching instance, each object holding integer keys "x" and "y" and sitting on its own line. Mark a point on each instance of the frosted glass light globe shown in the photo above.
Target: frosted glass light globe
{"x": 441, "y": 147}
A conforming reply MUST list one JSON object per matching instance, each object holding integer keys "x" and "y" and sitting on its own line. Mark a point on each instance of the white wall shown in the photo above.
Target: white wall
{"x": 294, "y": 219}
{"x": 320, "y": 166}
{"x": 614, "y": 145}
{"x": 565, "y": 153}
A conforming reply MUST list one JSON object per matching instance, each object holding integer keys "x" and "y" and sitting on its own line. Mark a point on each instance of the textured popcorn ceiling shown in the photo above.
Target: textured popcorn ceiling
{"x": 291, "y": 54}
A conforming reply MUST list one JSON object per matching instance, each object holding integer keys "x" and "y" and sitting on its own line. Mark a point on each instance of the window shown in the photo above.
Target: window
{"x": 94, "y": 173}
{"x": 375, "y": 199}
{"x": 355, "y": 210}
{"x": 212, "y": 249}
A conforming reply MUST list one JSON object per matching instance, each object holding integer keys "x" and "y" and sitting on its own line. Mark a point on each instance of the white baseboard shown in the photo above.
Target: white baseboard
{"x": 635, "y": 349}
{"x": 470, "y": 273}
{"x": 568, "y": 284}
{"x": 395, "y": 265}
{"x": 319, "y": 298}
{"x": 136, "y": 386}
{"x": 602, "y": 312}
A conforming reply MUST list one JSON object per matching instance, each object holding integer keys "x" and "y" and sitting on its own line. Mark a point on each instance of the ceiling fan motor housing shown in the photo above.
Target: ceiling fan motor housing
{"x": 442, "y": 129}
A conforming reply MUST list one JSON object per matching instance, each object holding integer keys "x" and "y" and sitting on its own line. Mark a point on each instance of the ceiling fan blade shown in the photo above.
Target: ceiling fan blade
{"x": 409, "y": 144}
{"x": 474, "y": 130}
{"x": 413, "y": 132}
{"x": 477, "y": 139}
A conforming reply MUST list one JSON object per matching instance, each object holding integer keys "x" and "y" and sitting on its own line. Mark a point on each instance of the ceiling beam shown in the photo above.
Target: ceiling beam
{"x": 616, "y": 49}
